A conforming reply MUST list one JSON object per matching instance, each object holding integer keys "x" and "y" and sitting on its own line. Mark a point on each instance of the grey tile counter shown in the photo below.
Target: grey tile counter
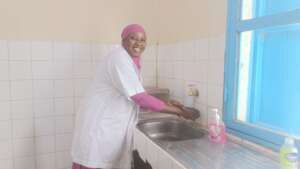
{"x": 203, "y": 154}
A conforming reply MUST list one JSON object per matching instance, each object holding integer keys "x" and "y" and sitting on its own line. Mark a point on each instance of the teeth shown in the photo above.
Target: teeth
{"x": 137, "y": 49}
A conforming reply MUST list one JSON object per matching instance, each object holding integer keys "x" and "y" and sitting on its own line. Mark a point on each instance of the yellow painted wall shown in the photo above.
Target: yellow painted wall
{"x": 217, "y": 17}
{"x": 102, "y": 20}
{"x": 44, "y": 19}
{"x": 182, "y": 19}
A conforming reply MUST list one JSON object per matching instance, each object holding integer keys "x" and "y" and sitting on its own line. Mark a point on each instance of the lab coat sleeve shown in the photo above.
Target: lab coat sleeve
{"x": 124, "y": 76}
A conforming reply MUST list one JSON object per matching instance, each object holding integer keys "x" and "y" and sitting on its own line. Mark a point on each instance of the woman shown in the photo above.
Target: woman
{"x": 105, "y": 122}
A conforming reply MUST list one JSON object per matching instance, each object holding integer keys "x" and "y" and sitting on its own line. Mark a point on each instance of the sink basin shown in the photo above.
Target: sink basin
{"x": 170, "y": 130}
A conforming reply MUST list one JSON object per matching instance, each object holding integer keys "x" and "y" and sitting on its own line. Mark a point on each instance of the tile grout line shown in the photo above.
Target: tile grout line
{"x": 53, "y": 101}
{"x": 32, "y": 106}
{"x": 8, "y": 43}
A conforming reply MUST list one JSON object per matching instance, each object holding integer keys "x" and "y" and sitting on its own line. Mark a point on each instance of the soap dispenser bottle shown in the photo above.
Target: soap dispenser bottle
{"x": 289, "y": 154}
{"x": 216, "y": 127}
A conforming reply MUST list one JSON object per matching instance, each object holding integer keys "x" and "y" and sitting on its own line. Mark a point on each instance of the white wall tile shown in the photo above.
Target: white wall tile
{"x": 4, "y": 70}
{"x": 5, "y": 130}
{"x": 45, "y": 144}
{"x": 45, "y": 161}
{"x": 42, "y": 50}
{"x": 6, "y": 164}
{"x": 82, "y": 70}
{"x": 215, "y": 96}
{"x": 192, "y": 71}
{"x": 6, "y": 149}
{"x": 64, "y": 106}
{"x": 63, "y": 142}
{"x": 37, "y": 102}
{"x": 201, "y": 71}
{"x": 24, "y": 162}
{"x": 177, "y": 87}
{"x": 23, "y": 128}
{"x": 171, "y": 52}
{"x": 70, "y": 65}
{"x": 201, "y": 62}
{"x": 162, "y": 70}
{"x": 63, "y": 88}
{"x": 4, "y": 91}
{"x": 43, "y": 89}
{"x": 162, "y": 53}
{"x": 170, "y": 70}
{"x": 148, "y": 69}
{"x": 177, "y": 52}
{"x": 149, "y": 82}
{"x": 24, "y": 147}
{"x": 217, "y": 48}
{"x": 203, "y": 114}
{"x": 202, "y": 49}
{"x": 81, "y": 86}
{"x": 64, "y": 124}
{"x": 3, "y": 50}
{"x": 215, "y": 73}
{"x": 63, "y": 70}
{"x": 43, "y": 107}
{"x": 178, "y": 70}
{"x": 5, "y": 111}
{"x": 19, "y": 50}
{"x": 63, "y": 160}
{"x": 20, "y": 70}
{"x": 21, "y": 89}
{"x": 95, "y": 67}
{"x": 82, "y": 52}
{"x": 44, "y": 126}
{"x": 150, "y": 53}
{"x": 77, "y": 103}
{"x": 42, "y": 70}
{"x": 62, "y": 51}
{"x": 99, "y": 51}
{"x": 21, "y": 109}
{"x": 162, "y": 82}
{"x": 188, "y": 51}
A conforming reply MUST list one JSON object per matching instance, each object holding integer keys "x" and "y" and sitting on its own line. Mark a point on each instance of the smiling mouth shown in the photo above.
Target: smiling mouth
{"x": 137, "y": 50}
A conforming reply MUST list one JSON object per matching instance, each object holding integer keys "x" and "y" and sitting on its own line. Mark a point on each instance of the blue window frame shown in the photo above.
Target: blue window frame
{"x": 262, "y": 70}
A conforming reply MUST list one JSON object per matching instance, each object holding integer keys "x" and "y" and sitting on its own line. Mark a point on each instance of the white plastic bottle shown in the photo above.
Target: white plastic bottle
{"x": 289, "y": 154}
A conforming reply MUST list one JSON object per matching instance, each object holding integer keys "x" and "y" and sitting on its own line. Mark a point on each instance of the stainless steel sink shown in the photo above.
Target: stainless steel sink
{"x": 167, "y": 129}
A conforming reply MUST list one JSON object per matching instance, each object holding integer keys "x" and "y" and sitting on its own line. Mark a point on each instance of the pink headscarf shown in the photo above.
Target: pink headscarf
{"x": 132, "y": 28}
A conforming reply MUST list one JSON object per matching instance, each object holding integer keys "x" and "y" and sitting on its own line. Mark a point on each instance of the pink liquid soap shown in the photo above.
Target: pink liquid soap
{"x": 216, "y": 133}
{"x": 216, "y": 128}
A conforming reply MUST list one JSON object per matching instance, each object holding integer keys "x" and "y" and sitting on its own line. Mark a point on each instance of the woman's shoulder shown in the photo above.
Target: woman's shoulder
{"x": 118, "y": 55}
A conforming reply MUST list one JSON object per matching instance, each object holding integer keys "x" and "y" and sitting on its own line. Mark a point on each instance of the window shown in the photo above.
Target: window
{"x": 262, "y": 70}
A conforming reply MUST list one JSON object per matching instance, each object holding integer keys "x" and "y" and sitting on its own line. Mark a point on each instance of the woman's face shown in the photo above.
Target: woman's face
{"x": 135, "y": 43}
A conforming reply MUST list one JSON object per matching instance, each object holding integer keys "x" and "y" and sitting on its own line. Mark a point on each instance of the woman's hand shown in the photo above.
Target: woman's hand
{"x": 175, "y": 103}
{"x": 189, "y": 115}
{"x": 176, "y": 108}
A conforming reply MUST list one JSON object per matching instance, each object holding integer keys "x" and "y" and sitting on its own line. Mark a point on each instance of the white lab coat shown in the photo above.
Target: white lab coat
{"x": 106, "y": 119}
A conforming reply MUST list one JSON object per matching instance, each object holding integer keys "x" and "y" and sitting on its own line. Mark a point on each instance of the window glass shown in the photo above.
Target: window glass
{"x": 269, "y": 79}
{"x": 258, "y": 8}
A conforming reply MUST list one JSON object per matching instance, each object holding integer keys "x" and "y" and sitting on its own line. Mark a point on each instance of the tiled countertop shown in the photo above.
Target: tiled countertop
{"x": 202, "y": 154}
